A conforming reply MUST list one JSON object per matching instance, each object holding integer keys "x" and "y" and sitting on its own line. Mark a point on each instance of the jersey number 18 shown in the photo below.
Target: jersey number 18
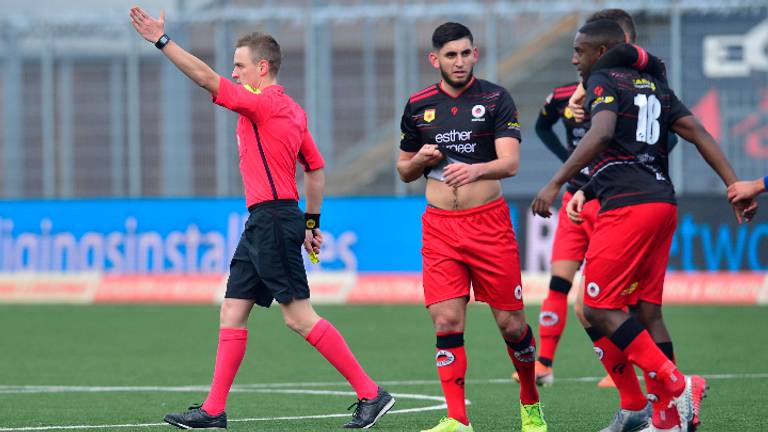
{"x": 648, "y": 112}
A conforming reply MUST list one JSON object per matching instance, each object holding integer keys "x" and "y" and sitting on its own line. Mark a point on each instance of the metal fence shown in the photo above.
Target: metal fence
{"x": 96, "y": 116}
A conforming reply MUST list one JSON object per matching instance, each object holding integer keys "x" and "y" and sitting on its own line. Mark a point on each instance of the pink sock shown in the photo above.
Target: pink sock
{"x": 232, "y": 342}
{"x": 330, "y": 343}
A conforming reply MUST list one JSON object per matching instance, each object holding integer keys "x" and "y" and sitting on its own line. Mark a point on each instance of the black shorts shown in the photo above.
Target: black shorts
{"x": 268, "y": 263}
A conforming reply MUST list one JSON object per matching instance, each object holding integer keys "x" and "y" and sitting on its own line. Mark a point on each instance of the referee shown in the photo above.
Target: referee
{"x": 272, "y": 135}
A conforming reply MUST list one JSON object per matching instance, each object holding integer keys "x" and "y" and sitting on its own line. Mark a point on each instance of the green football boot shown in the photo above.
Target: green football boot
{"x": 533, "y": 418}
{"x": 448, "y": 424}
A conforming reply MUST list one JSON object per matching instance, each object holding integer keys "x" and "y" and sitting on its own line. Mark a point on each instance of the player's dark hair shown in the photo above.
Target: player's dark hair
{"x": 449, "y": 32}
{"x": 263, "y": 47}
{"x": 622, "y": 17}
{"x": 603, "y": 32}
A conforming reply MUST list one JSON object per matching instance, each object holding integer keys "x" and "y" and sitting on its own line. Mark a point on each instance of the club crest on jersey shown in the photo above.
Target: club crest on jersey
{"x": 444, "y": 358}
{"x": 593, "y": 290}
{"x": 454, "y": 111}
{"x": 478, "y": 111}
{"x": 429, "y": 115}
{"x": 568, "y": 113}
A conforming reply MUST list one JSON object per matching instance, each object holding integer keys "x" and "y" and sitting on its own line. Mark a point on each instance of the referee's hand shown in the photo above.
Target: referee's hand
{"x": 313, "y": 239}
{"x": 148, "y": 27}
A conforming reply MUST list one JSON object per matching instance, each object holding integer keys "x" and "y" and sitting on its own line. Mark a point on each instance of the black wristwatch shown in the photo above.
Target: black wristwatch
{"x": 162, "y": 42}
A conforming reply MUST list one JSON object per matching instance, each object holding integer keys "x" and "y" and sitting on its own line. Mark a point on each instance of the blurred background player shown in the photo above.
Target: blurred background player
{"x": 630, "y": 115}
{"x": 267, "y": 265}
{"x": 462, "y": 134}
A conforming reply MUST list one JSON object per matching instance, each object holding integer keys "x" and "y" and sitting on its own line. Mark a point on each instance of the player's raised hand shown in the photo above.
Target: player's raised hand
{"x": 575, "y": 206}
{"x": 544, "y": 199}
{"x": 458, "y": 174}
{"x": 146, "y": 26}
{"x": 428, "y": 155}
{"x": 576, "y": 103}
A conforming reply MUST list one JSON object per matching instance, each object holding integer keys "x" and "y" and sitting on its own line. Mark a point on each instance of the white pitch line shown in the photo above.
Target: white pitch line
{"x": 440, "y": 406}
{"x": 250, "y": 388}
{"x": 279, "y": 388}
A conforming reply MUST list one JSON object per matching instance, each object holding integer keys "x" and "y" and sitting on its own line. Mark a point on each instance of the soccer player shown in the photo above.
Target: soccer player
{"x": 572, "y": 239}
{"x": 272, "y": 136}
{"x": 747, "y": 190}
{"x": 462, "y": 134}
{"x": 630, "y": 114}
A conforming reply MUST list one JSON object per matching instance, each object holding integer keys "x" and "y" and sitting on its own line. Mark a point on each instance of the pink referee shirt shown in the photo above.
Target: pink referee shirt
{"x": 272, "y": 135}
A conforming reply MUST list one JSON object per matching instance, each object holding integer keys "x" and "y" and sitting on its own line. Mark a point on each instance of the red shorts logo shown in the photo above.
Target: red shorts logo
{"x": 593, "y": 290}
{"x": 548, "y": 318}
{"x": 519, "y": 292}
{"x": 598, "y": 90}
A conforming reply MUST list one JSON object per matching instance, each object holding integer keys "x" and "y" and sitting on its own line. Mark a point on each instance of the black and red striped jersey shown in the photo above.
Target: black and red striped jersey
{"x": 464, "y": 127}
{"x": 556, "y": 109}
{"x": 634, "y": 168}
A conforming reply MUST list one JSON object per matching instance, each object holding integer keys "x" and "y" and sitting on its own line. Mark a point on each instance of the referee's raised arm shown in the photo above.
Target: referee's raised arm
{"x": 153, "y": 30}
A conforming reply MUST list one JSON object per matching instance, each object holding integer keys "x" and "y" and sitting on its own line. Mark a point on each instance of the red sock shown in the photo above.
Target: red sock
{"x": 664, "y": 417}
{"x": 637, "y": 345}
{"x": 330, "y": 343}
{"x": 523, "y": 354}
{"x": 554, "y": 313}
{"x": 229, "y": 355}
{"x": 451, "y": 359}
{"x": 622, "y": 371}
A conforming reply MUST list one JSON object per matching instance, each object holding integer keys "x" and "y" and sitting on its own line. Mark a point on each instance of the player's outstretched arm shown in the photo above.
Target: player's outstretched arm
{"x": 598, "y": 136}
{"x": 632, "y": 56}
{"x": 151, "y": 29}
{"x": 691, "y": 130}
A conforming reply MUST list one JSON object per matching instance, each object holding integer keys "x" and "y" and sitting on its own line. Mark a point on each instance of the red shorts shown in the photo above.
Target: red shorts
{"x": 628, "y": 254}
{"x": 572, "y": 239}
{"x": 476, "y": 246}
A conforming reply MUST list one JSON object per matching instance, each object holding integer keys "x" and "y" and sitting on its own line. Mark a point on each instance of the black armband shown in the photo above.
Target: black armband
{"x": 311, "y": 221}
